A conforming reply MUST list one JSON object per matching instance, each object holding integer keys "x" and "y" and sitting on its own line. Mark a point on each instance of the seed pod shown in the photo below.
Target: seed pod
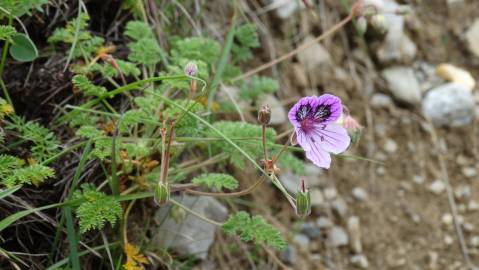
{"x": 264, "y": 115}
{"x": 303, "y": 201}
{"x": 162, "y": 193}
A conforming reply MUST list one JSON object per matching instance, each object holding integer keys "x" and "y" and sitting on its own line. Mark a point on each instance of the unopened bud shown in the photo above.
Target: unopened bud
{"x": 178, "y": 214}
{"x": 162, "y": 193}
{"x": 191, "y": 69}
{"x": 264, "y": 115}
{"x": 362, "y": 25}
{"x": 353, "y": 127}
{"x": 303, "y": 201}
{"x": 380, "y": 22}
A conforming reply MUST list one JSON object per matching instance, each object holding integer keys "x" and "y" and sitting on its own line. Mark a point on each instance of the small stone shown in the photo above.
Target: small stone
{"x": 314, "y": 57}
{"x": 324, "y": 223}
{"x": 278, "y": 112}
{"x": 403, "y": 84}
{"x": 380, "y": 170}
{"x": 462, "y": 160}
{"x": 418, "y": 179}
{"x": 340, "y": 208}
{"x": 330, "y": 193}
{"x": 472, "y": 205}
{"x": 290, "y": 181}
{"x": 449, "y": 105}
{"x": 474, "y": 241}
{"x": 381, "y": 101}
{"x": 302, "y": 241}
{"x": 360, "y": 194}
{"x": 472, "y": 37}
{"x": 456, "y": 75}
{"x": 390, "y": 146}
{"x": 300, "y": 75}
{"x": 447, "y": 219}
{"x": 433, "y": 258}
{"x": 289, "y": 255}
{"x": 360, "y": 261}
{"x": 448, "y": 240}
{"x": 311, "y": 230}
{"x": 354, "y": 234}
{"x": 468, "y": 227}
{"x": 317, "y": 198}
{"x": 403, "y": 51}
{"x": 338, "y": 237}
{"x": 437, "y": 187}
{"x": 469, "y": 172}
{"x": 462, "y": 192}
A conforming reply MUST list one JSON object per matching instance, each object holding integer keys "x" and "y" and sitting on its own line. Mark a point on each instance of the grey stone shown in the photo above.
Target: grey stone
{"x": 324, "y": 223}
{"x": 402, "y": 51}
{"x": 285, "y": 8}
{"x": 310, "y": 229}
{"x": 449, "y": 105}
{"x": 381, "y": 101}
{"x": 278, "y": 112}
{"x": 314, "y": 57}
{"x": 192, "y": 236}
{"x": 390, "y": 146}
{"x": 289, "y": 255}
{"x": 360, "y": 194}
{"x": 403, "y": 84}
{"x": 302, "y": 241}
{"x": 437, "y": 187}
{"x": 354, "y": 231}
{"x": 469, "y": 172}
{"x": 472, "y": 37}
{"x": 360, "y": 261}
{"x": 330, "y": 193}
{"x": 338, "y": 237}
{"x": 339, "y": 207}
{"x": 317, "y": 198}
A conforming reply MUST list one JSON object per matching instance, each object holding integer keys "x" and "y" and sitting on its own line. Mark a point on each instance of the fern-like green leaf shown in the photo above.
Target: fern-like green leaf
{"x": 145, "y": 51}
{"x": 216, "y": 180}
{"x": 137, "y": 30}
{"x": 97, "y": 209}
{"x": 196, "y": 48}
{"x": 254, "y": 229}
{"x": 87, "y": 87}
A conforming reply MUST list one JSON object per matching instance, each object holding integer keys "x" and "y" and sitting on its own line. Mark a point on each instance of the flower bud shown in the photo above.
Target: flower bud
{"x": 303, "y": 201}
{"x": 264, "y": 115}
{"x": 380, "y": 22}
{"x": 162, "y": 193}
{"x": 362, "y": 25}
{"x": 353, "y": 127}
{"x": 191, "y": 69}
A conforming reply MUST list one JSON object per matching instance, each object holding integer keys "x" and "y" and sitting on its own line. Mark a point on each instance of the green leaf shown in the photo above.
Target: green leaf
{"x": 23, "y": 49}
{"x": 253, "y": 229}
{"x": 87, "y": 87}
{"x": 216, "y": 180}
{"x": 258, "y": 86}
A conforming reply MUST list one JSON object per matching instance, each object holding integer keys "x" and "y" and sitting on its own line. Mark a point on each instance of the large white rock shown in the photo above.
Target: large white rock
{"x": 449, "y": 105}
{"x": 472, "y": 37}
{"x": 403, "y": 84}
{"x": 191, "y": 236}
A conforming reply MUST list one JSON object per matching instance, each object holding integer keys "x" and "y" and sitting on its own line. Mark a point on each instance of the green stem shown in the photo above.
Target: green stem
{"x": 196, "y": 214}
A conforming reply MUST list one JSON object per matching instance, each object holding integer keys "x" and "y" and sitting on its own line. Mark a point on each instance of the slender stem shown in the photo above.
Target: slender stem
{"x": 5, "y": 49}
{"x": 196, "y": 214}
{"x": 285, "y": 146}
{"x": 292, "y": 53}
{"x": 5, "y": 93}
{"x": 263, "y": 136}
{"x": 125, "y": 221}
{"x": 232, "y": 194}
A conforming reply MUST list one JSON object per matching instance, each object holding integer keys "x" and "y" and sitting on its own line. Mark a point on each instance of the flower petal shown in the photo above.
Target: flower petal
{"x": 331, "y": 138}
{"x": 303, "y": 139}
{"x": 335, "y": 107}
{"x": 318, "y": 156}
{"x": 292, "y": 114}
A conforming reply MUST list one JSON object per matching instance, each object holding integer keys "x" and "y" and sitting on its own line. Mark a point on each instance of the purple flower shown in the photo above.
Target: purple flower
{"x": 317, "y": 133}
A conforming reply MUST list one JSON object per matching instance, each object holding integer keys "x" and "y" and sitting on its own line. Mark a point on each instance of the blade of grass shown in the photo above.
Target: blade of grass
{"x": 7, "y": 192}
{"x": 72, "y": 238}
{"x": 82, "y": 253}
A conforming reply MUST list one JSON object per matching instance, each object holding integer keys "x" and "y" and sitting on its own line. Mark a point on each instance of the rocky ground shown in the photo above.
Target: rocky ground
{"x": 411, "y": 83}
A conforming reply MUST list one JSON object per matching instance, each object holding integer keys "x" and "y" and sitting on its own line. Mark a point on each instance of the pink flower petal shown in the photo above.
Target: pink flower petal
{"x": 318, "y": 156}
{"x": 331, "y": 138}
{"x": 303, "y": 140}
{"x": 336, "y": 107}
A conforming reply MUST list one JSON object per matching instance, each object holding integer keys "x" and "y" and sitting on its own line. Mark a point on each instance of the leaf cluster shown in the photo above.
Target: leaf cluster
{"x": 253, "y": 228}
{"x": 97, "y": 209}
{"x": 14, "y": 171}
{"x": 216, "y": 180}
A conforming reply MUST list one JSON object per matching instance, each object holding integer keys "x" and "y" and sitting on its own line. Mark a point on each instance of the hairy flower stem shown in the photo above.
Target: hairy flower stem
{"x": 196, "y": 214}
{"x": 263, "y": 136}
